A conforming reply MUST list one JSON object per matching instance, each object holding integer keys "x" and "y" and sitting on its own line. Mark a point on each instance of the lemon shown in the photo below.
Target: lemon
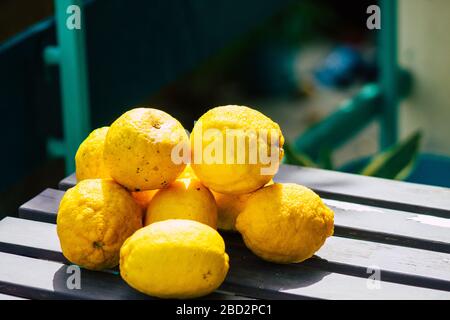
{"x": 143, "y": 198}
{"x": 228, "y": 144}
{"x": 138, "y": 149}
{"x": 89, "y": 157}
{"x": 94, "y": 219}
{"x": 229, "y": 206}
{"x": 174, "y": 259}
{"x": 285, "y": 223}
{"x": 183, "y": 199}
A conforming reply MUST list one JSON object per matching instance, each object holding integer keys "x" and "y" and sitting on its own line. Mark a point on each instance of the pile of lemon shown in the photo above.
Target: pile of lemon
{"x": 137, "y": 205}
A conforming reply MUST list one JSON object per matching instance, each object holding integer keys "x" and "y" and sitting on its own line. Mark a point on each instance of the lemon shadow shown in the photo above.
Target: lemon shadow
{"x": 255, "y": 277}
{"x": 103, "y": 285}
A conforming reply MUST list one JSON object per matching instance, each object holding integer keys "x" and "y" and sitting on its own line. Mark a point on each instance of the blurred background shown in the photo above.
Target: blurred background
{"x": 348, "y": 98}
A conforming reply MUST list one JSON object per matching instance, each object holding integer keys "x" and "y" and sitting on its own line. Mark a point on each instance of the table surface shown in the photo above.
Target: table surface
{"x": 399, "y": 231}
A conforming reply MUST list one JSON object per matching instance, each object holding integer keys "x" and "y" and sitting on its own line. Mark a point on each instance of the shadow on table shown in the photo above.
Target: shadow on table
{"x": 248, "y": 276}
{"x": 72, "y": 282}
{"x": 266, "y": 279}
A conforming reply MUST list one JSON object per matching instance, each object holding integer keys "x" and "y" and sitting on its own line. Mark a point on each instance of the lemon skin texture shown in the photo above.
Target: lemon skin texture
{"x": 285, "y": 223}
{"x": 229, "y": 206}
{"x": 174, "y": 259}
{"x": 89, "y": 162}
{"x": 94, "y": 219}
{"x": 183, "y": 199}
{"x": 138, "y": 149}
{"x": 224, "y": 175}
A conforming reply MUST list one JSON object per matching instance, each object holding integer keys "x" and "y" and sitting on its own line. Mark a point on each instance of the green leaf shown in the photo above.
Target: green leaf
{"x": 397, "y": 162}
{"x": 296, "y": 158}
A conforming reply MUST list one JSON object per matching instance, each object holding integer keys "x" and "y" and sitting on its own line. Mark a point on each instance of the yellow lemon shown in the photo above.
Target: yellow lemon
{"x": 143, "y": 198}
{"x": 229, "y": 206}
{"x": 94, "y": 219}
{"x": 235, "y": 149}
{"x": 285, "y": 223}
{"x": 89, "y": 157}
{"x": 183, "y": 199}
{"x": 174, "y": 259}
{"x": 138, "y": 149}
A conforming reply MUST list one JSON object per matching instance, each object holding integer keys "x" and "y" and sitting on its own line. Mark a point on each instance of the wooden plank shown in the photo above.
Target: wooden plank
{"x": 39, "y": 240}
{"x": 17, "y": 235}
{"x": 339, "y": 255}
{"x": 30, "y": 238}
{"x": 67, "y": 182}
{"x": 370, "y": 190}
{"x": 351, "y": 220}
{"x": 43, "y": 207}
{"x": 391, "y": 226}
{"x": 390, "y": 194}
{"x": 301, "y": 280}
{"x": 8, "y": 297}
{"x": 397, "y": 264}
{"x": 41, "y": 279}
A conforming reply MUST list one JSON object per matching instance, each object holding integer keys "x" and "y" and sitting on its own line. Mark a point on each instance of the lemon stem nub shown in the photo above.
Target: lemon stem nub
{"x": 98, "y": 244}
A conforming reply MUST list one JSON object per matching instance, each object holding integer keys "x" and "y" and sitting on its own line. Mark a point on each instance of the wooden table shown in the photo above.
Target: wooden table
{"x": 400, "y": 229}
